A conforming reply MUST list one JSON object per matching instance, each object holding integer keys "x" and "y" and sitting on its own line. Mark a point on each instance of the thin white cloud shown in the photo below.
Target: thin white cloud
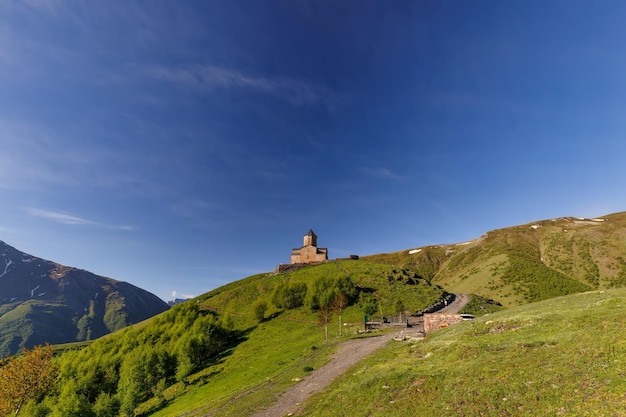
{"x": 59, "y": 217}
{"x": 70, "y": 219}
{"x": 383, "y": 173}
{"x": 293, "y": 90}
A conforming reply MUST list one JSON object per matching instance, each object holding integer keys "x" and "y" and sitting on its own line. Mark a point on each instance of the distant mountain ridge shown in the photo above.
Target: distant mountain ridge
{"x": 42, "y": 301}
{"x": 175, "y": 301}
{"x": 526, "y": 263}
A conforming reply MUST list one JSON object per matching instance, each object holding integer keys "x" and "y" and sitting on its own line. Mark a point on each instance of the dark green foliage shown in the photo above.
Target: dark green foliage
{"x": 368, "y": 303}
{"x": 115, "y": 375}
{"x": 316, "y": 291}
{"x": 259, "y": 308}
{"x": 35, "y": 409}
{"x": 289, "y": 295}
{"x": 619, "y": 280}
{"x": 346, "y": 286}
{"x": 538, "y": 282}
{"x": 71, "y": 403}
{"x": 324, "y": 291}
{"x": 479, "y": 306}
{"x": 106, "y": 405}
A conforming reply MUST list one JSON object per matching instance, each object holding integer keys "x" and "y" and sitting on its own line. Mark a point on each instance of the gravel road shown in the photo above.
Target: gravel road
{"x": 347, "y": 355}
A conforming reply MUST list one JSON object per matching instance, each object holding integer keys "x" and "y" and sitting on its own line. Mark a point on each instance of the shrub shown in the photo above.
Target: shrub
{"x": 259, "y": 308}
{"x": 289, "y": 295}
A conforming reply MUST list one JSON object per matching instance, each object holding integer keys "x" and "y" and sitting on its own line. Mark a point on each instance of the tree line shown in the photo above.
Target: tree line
{"x": 113, "y": 375}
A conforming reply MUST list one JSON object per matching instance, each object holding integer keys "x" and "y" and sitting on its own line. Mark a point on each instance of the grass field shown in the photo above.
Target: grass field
{"x": 285, "y": 345}
{"x": 561, "y": 357}
{"x": 254, "y": 371}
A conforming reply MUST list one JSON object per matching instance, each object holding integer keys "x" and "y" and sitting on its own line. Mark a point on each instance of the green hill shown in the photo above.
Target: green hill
{"x": 527, "y": 263}
{"x": 231, "y": 351}
{"x": 42, "y": 301}
{"x": 200, "y": 355}
{"x": 560, "y": 357}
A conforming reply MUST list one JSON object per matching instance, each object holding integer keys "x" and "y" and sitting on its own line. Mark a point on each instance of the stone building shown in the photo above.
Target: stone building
{"x": 309, "y": 252}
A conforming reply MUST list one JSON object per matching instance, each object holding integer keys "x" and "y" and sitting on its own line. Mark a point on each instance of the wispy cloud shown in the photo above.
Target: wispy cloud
{"x": 382, "y": 173}
{"x": 203, "y": 78}
{"x": 63, "y": 218}
{"x": 71, "y": 219}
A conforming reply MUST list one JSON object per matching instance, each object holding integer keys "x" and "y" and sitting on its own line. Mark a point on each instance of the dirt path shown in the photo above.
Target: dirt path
{"x": 460, "y": 300}
{"x": 347, "y": 355}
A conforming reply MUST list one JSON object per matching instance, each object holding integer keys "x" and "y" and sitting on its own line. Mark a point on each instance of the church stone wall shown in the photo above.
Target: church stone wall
{"x": 308, "y": 254}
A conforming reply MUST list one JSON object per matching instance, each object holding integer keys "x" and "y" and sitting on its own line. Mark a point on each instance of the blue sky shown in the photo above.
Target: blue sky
{"x": 180, "y": 145}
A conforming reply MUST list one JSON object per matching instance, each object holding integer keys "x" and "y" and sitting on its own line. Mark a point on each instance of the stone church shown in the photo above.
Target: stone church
{"x": 309, "y": 252}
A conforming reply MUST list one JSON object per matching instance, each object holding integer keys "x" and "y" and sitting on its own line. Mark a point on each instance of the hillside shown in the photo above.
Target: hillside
{"x": 531, "y": 262}
{"x": 560, "y": 357}
{"x": 41, "y": 301}
{"x": 202, "y": 354}
{"x": 232, "y": 351}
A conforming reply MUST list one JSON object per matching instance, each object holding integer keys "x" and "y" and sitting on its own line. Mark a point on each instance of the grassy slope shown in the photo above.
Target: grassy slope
{"x": 527, "y": 263}
{"x": 279, "y": 349}
{"x": 564, "y": 356}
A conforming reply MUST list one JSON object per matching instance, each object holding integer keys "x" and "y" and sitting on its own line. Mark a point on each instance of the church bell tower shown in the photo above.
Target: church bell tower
{"x": 310, "y": 239}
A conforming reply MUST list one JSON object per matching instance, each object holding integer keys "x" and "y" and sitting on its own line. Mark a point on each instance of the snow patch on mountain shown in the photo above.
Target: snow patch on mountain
{"x": 8, "y": 263}
{"x": 32, "y": 292}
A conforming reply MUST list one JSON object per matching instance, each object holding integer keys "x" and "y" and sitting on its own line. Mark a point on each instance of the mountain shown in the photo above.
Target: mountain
{"x": 527, "y": 263}
{"x": 175, "y": 301}
{"x": 249, "y": 338}
{"x": 42, "y": 301}
{"x": 234, "y": 350}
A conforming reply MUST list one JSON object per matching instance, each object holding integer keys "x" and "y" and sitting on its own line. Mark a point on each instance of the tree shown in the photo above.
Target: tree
{"x": 325, "y": 313}
{"x": 70, "y": 403}
{"x": 106, "y": 405}
{"x": 325, "y": 309}
{"x": 24, "y": 377}
{"x": 339, "y": 303}
{"x": 317, "y": 290}
{"x": 398, "y": 307}
{"x": 289, "y": 295}
{"x": 347, "y": 287}
{"x": 368, "y": 303}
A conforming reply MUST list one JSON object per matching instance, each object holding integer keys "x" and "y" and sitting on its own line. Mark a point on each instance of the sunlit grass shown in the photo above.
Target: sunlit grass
{"x": 565, "y": 356}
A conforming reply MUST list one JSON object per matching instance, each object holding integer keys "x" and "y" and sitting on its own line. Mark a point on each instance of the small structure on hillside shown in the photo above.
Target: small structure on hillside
{"x": 436, "y": 321}
{"x": 309, "y": 252}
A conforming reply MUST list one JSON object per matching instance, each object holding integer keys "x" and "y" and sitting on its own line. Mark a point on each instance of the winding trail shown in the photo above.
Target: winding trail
{"x": 348, "y": 354}
{"x": 460, "y": 300}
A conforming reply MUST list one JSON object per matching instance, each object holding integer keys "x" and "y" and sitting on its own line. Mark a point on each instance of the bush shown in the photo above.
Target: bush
{"x": 149, "y": 406}
{"x": 289, "y": 296}
{"x": 259, "y": 308}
